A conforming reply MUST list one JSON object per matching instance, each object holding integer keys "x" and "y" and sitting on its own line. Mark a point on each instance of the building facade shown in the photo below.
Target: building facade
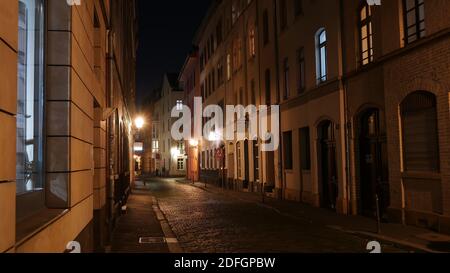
{"x": 66, "y": 107}
{"x": 364, "y": 98}
{"x": 190, "y": 82}
{"x": 169, "y": 153}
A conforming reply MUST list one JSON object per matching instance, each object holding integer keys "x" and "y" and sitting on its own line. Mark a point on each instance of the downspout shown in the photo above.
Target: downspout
{"x": 277, "y": 76}
{"x": 346, "y": 110}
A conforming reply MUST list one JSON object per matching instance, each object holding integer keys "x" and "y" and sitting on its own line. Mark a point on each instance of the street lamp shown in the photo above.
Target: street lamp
{"x": 139, "y": 122}
{"x": 193, "y": 143}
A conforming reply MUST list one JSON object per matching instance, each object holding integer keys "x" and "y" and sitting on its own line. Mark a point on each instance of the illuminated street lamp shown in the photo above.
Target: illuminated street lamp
{"x": 193, "y": 142}
{"x": 139, "y": 122}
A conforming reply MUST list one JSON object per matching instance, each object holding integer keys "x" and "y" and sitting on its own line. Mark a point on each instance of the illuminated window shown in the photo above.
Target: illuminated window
{"x": 179, "y": 105}
{"x": 321, "y": 56}
{"x": 366, "y": 34}
{"x": 251, "y": 42}
{"x": 228, "y": 67}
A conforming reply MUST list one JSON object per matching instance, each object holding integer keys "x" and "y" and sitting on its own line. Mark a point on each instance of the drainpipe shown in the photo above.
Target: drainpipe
{"x": 277, "y": 76}
{"x": 346, "y": 110}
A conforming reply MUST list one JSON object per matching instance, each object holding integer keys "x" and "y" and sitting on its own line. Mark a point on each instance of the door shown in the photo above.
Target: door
{"x": 328, "y": 165}
{"x": 246, "y": 165}
{"x": 373, "y": 164}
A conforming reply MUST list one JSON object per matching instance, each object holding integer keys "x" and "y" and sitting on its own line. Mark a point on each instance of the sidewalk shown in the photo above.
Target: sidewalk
{"x": 143, "y": 229}
{"x": 406, "y": 236}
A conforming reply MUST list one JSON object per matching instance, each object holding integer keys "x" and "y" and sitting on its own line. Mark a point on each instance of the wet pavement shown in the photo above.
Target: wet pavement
{"x": 211, "y": 222}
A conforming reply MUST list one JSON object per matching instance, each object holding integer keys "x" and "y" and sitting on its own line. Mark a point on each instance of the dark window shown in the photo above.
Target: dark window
{"x": 219, "y": 32}
{"x": 298, "y": 7}
{"x": 305, "y": 149}
{"x": 286, "y": 78}
{"x": 301, "y": 83}
{"x": 266, "y": 27}
{"x": 414, "y": 17}
{"x": 283, "y": 14}
{"x": 253, "y": 91}
{"x": 287, "y": 143}
{"x": 420, "y": 133}
{"x": 366, "y": 34}
{"x": 267, "y": 85}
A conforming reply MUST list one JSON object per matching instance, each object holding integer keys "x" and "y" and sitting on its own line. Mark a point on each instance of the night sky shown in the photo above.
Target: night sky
{"x": 166, "y": 31}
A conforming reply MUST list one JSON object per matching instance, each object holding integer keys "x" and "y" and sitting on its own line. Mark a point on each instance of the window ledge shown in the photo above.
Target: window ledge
{"x": 32, "y": 225}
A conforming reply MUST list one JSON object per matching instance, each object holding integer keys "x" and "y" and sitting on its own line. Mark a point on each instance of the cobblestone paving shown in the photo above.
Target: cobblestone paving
{"x": 206, "y": 222}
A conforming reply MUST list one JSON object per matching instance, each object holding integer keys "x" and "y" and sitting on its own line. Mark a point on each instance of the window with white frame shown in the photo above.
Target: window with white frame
{"x": 321, "y": 56}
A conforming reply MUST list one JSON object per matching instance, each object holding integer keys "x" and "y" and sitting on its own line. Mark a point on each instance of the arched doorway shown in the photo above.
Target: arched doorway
{"x": 328, "y": 175}
{"x": 373, "y": 163}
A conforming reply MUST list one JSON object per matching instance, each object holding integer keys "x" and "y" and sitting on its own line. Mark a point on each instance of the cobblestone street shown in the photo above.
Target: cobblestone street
{"x": 205, "y": 221}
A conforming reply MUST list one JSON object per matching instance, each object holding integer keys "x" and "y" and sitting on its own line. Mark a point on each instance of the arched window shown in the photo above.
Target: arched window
{"x": 321, "y": 55}
{"x": 420, "y": 133}
{"x": 366, "y": 33}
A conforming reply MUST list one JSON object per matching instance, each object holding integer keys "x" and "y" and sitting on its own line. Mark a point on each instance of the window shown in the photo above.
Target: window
{"x": 155, "y": 146}
{"x": 287, "y": 141}
{"x": 253, "y": 91}
{"x": 239, "y": 165}
{"x": 301, "y": 81}
{"x": 219, "y": 32}
{"x": 237, "y": 54}
{"x": 283, "y": 14}
{"x": 414, "y": 17}
{"x": 266, "y": 27}
{"x": 321, "y": 53}
{"x": 305, "y": 149}
{"x": 256, "y": 161}
{"x": 366, "y": 34}
{"x": 228, "y": 67}
{"x": 268, "y": 87}
{"x": 420, "y": 133}
{"x": 234, "y": 11}
{"x": 180, "y": 164}
{"x": 179, "y": 106}
{"x": 30, "y": 98}
{"x": 286, "y": 78}
{"x": 298, "y": 7}
{"x": 251, "y": 42}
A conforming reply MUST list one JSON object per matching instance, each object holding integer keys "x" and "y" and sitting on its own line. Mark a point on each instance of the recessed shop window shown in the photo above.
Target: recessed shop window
{"x": 30, "y": 98}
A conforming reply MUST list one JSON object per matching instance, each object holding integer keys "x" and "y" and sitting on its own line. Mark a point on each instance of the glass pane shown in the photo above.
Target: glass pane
{"x": 30, "y": 108}
{"x": 323, "y": 37}
{"x": 323, "y": 63}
